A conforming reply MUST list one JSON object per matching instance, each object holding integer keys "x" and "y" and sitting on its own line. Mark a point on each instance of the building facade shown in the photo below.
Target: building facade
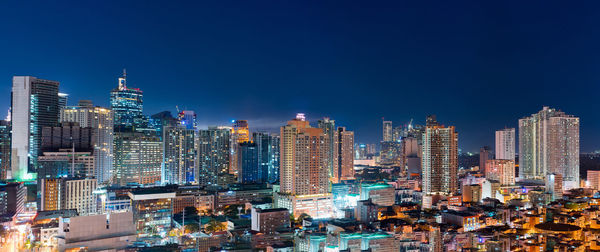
{"x": 179, "y": 155}
{"x": 505, "y": 144}
{"x": 439, "y": 163}
{"x": 138, "y": 159}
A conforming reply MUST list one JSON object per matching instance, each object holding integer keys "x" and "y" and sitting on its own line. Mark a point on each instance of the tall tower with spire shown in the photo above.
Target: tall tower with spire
{"x": 127, "y": 105}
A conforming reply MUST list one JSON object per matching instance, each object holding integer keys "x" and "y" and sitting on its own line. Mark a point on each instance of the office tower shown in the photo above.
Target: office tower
{"x": 268, "y": 154}
{"x": 249, "y": 165}
{"x": 484, "y": 156}
{"x": 505, "y": 144}
{"x": 100, "y": 120}
{"x": 34, "y": 105}
{"x": 330, "y": 132}
{"x": 381, "y": 194}
{"x": 304, "y": 183}
{"x": 179, "y": 155}
{"x": 269, "y": 221}
{"x": 412, "y": 161}
{"x": 213, "y": 154}
{"x": 440, "y": 159}
{"x": 187, "y": 118}
{"x": 68, "y": 135}
{"x": 549, "y": 143}
{"x": 4, "y": 148}
{"x": 66, "y": 163}
{"x": 344, "y": 155}
{"x": 137, "y": 158}
{"x": 62, "y": 100}
{"x": 502, "y": 170}
{"x": 239, "y": 134}
{"x": 127, "y": 105}
{"x": 387, "y": 131}
{"x": 15, "y": 196}
{"x": 161, "y": 120}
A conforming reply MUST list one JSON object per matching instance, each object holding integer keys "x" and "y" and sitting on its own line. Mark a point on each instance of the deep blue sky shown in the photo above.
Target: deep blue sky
{"x": 479, "y": 65}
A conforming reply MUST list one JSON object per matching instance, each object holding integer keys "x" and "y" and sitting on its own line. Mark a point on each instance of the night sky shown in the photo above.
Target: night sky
{"x": 479, "y": 66}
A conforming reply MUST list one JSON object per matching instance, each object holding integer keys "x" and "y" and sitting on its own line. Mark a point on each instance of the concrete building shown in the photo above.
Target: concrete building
{"x": 5, "y": 136}
{"x": 502, "y": 170}
{"x": 554, "y": 185}
{"x": 328, "y": 127}
{"x": 213, "y": 146}
{"x": 138, "y": 159}
{"x": 239, "y": 133}
{"x": 549, "y": 143}
{"x": 100, "y": 120}
{"x": 152, "y": 210}
{"x": 593, "y": 179}
{"x": 270, "y": 220}
{"x": 105, "y": 232}
{"x": 13, "y": 197}
{"x": 345, "y": 155}
{"x": 439, "y": 163}
{"x": 34, "y": 105}
{"x": 471, "y": 193}
{"x": 179, "y": 161}
{"x": 381, "y": 194}
{"x": 505, "y": 144}
{"x": 68, "y": 193}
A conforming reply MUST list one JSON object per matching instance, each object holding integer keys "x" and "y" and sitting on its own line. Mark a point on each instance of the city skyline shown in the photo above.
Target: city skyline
{"x": 380, "y": 55}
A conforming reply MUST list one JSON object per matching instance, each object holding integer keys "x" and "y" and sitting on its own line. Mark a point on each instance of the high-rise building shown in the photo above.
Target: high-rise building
{"x": 502, "y": 170}
{"x": 250, "y": 168}
{"x": 484, "y": 156}
{"x": 330, "y": 132}
{"x": 66, "y": 163}
{"x": 127, "y": 105}
{"x": 213, "y": 154}
{"x": 239, "y": 133}
{"x": 554, "y": 185}
{"x": 387, "y": 131}
{"x": 187, "y": 118}
{"x": 179, "y": 155}
{"x": 505, "y": 144}
{"x": 549, "y": 143}
{"x": 100, "y": 120}
{"x": 34, "y": 105}
{"x": 152, "y": 210}
{"x": 68, "y": 135}
{"x": 593, "y": 179}
{"x": 62, "y": 100}
{"x": 268, "y": 154}
{"x": 439, "y": 163}
{"x": 68, "y": 193}
{"x": 137, "y": 158}
{"x": 161, "y": 120}
{"x": 345, "y": 155}
{"x": 304, "y": 177}
{"x": 4, "y": 148}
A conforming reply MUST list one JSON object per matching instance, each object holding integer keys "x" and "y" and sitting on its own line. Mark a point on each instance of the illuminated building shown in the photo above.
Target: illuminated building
{"x": 66, "y": 163}
{"x": 213, "y": 154}
{"x": 467, "y": 220}
{"x": 304, "y": 178}
{"x": 331, "y": 135}
{"x": 112, "y": 232}
{"x": 161, "y": 120}
{"x": 62, "y": 100}
{"x": 68, "y": 193}
{"x": 268, "y": 151}
{"x": 439, "y": 163}
{"x": 382, "y": 194}
{"x": 152, "y": 211}
{"x": 345, "y": 155}
{"x": 554, "y": 185}
{"x": 14, "y": 196}
{"x": 137, "y": 158}
{"x": 187, "y": 118}
{"x": 250, "y": 169}
{"x": 502, "y": 170}
{"x": 365, "y": 211}
{"x": 66, "y": 136}
{"x": 366, "y": 241}
{"x": 505, "y": 144}
{"x": 593, "y": 179}
{"x": 34, "y": 105}
{"x": 239, "y": 134}
{"x": 101, "y": 121}
{"x": 4, "y": 148}
{"x": 179, "y": 155}
{"x": 127, "y": 105}
{"x": 471, "y": 193}
{"x": 549, "y": 143}
{"x": 270, "y": 220}
{"x": 387, "y": 131}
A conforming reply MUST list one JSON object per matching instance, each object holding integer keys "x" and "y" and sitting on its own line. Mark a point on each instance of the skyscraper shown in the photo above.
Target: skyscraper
{"x": 484, "y": 156}
{"x": 127, "y": 105}
{"x": 34, "y": 106}
{"x": 549, "y": 144}
{"x": 240, "y": 133}
{"x": 505, "y": 144}
{"x": 268, "y": 154}
{"x": 330, "y": 132}
{"x": 187, "y": 118}
{"x": 4, "y": 148}
{"x": 62, "y": 100}
{"x": 304, "y": 183}
{"x": 502, "y": 170}
{"x": 137, "y": 159}
{"x": 440, "y": 159}
{"x": 101, "y": 121}
{"x": 213, "y": 154}
{"x": 387, "y": 131}
{"x": 179, "y": 155}
{"x": 250, "y": 168}
{"x": 344, "y": 155}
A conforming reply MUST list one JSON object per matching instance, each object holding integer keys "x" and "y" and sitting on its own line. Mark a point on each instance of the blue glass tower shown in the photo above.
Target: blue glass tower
{"x": 127, "y": 105}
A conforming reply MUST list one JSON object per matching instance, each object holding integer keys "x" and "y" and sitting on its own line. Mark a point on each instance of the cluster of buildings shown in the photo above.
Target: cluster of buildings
{"x": 95, "y": 178}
